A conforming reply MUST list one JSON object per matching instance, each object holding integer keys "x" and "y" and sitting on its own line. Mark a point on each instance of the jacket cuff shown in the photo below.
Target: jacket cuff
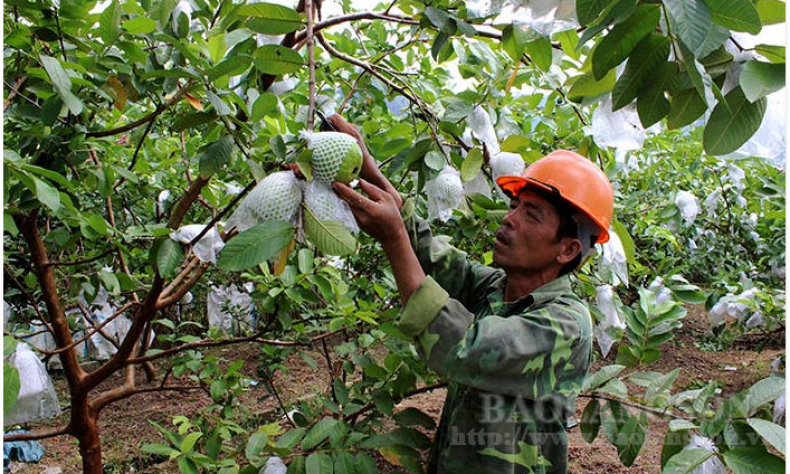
{"x": 422, "y": 308}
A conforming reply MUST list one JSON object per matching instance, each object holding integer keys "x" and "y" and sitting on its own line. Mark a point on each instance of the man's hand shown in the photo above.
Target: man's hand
{"x": 370, "y": 172}
{"x": 378, "y": 214}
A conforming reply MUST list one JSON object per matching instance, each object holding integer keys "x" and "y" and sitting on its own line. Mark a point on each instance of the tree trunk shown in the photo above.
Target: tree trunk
{"x": 85, "y": 419}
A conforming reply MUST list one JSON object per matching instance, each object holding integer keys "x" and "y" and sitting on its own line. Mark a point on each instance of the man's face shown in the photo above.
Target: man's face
{"x": 527, "y": 240}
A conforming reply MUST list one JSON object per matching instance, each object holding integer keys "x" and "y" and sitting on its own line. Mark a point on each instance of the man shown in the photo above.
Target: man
{"x": 513, "y": 342}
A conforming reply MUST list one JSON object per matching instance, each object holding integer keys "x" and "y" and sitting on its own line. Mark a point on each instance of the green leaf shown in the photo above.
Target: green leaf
{"x": 188, "y": 443}
{"x": 775, "y": 54}
{"x": 587, "y": 86}
{"x": 215, "y": 156}
{"x": 652, "y": 104}
{"x": 625, "y": 238}
{"x": 159, "y": 449}
{"x": 674, "y": 442}
{"x": 631, "y": 438}
{"x": 217, "y": 390}
{"x": 331, "y": 237}
{"x": 618, "y": 44}
{"x": 110, "y": 23}
{"x": 763, "y": 392}
{"x": 599, "y": 378}
{"x": 46, "y": 194}
{"x": 271, "y": 19}
{"x": 691, "y": 20}
{"x": 514, "y": 40}
{"x": 11, "y": 386}
{"x": 220, "y": 107}
{"x": 753, "y": 461}
{"x": 187, "y": 466}
{"x": 291, "y": 438}
{"x": 686, "y": 107}
{"x": 344, "y": 463}
{"x": 588, "y": 10}
{"x": 139, "y": 26}
{"x": 9, "y": 225}
{"x": 645, "y": 61}
{"x": 730, "y": 127}
{"x": 686, "y": 461}
{"x": 319, "y": 432}
{"x": 167, "y": 256}
{"x": 591, "y": 421}
{"x": 540, "y": 51}
{"x": 413, "y": 417}
{"x": 255, "y": 446}
{"x": 771, "y": 12}
{"x": 774, "y": 434}
{"x": 277, "y": 60}
{"x": 472, "y": 164}
{"x": 62, "y": 83}
{"x": 738, "y": 15}
{"x": 255, "y": 245}
{"x": 264, "y": 105}
{"x": 440, "y": 20}
{"x": 528, "y": 456}
{"x": 231, "y": 66}
{"x": 759, "y": 79}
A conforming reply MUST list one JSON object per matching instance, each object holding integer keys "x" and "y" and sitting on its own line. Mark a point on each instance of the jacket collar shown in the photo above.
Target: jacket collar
{"x": 550, "y": 291}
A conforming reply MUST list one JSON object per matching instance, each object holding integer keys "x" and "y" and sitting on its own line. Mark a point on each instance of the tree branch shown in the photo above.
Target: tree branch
{"x": 223, "y": 342}
{"x": 302, "y": 35}
{"x": 148, "y": 118}
{"x": 43, "y": 434}
{"x": 93, "y": 331}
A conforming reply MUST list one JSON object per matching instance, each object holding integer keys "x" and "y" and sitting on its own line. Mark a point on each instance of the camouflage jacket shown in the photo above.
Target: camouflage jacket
{"x": 514, "y": 369}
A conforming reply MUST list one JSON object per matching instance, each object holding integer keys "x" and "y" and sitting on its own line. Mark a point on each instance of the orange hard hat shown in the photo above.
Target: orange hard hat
{"x": 576, "y": 179}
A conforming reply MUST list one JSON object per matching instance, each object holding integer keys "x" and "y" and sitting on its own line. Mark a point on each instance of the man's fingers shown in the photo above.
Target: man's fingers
{"x": 347, "y": 194}
{"x": 375, "y": 192}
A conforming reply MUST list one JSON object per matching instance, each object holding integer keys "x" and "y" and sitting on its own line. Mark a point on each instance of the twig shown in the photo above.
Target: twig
{"x": 224, "y": 342}
{"x": 148, "y": 118}
{"x": 308, "y": 8}
{"x": 81, "y": 262}
{"x": 410, "y": 393}
{"x": 354, "y": 17}
{"x": 330, "y": 369}
{"x": 14, "y": 91}
{"x": 93, "y": 331}
{"x": 654, "y": 411}
{"x": 48, "y": 433}
{"x": 27, "y": 295}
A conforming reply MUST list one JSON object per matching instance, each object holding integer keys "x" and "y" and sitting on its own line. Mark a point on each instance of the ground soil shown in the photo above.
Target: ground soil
{"x": 125, "y": 426}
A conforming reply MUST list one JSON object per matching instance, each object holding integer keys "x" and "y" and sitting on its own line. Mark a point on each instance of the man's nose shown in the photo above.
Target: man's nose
{"x": 507, "y": 221}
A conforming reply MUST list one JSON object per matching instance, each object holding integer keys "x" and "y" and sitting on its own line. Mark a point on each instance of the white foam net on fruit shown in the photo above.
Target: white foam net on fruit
{"x": 327, "y": 206}
{"x": 329, "y": 149}
{"x": 276, "y": 197}
{"x": 445, "y": 193}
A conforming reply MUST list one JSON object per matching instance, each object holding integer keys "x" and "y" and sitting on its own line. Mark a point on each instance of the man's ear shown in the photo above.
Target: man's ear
{"x": 570, "y": 249}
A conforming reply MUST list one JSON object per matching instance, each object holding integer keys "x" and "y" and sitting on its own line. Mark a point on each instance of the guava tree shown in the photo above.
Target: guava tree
{"x": 109, "y": 105}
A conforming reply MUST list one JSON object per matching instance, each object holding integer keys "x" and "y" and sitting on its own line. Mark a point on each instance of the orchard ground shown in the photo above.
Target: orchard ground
{"x": 125, "y": 427}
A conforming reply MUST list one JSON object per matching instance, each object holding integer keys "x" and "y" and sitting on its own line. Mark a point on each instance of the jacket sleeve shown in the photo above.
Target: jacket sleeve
{"x": 521, "y": 355}
{"x": 449, "y": 267}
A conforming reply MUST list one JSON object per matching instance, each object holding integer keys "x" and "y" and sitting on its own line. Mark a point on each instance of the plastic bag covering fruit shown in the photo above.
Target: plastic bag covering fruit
{"x": 479, "y": 185}
{"x": 276, "y": 198}
{"x": 687, "y": 205}
{"x": 445, "y": 193}
{"x": 505, "y": 163}
{"x": 327, "y": 206}
{"x": 336, "y": 156}
{"x": 713, "y": 464}
{"x": 207, "y": 248}
{"x": 606, "y": 330}
{"x": 230, "y": 310}
{"x": 483, "y": 129}
{"x": 37, "y": 397}
{"x": 614, "y": 260}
